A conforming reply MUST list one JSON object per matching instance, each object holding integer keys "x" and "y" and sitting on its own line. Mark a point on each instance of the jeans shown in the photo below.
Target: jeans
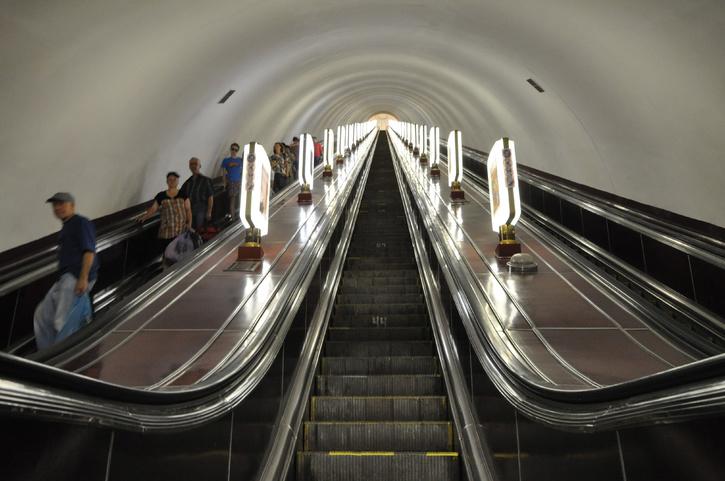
{"x": 52, "y": 312}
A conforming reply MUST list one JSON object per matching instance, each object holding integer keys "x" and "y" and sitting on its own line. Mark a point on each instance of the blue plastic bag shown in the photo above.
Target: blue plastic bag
{"x": 79, "y": 315}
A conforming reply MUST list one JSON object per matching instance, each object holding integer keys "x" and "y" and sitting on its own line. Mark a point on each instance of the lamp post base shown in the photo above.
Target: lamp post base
{"x": 327, "y": 173}
{"x": 504, "y": 251}
{"x": 250, "y": 251}
{"x": 435, "y": 171}
{"x": 304, "y": 198}
{"x": 458, "y": 196}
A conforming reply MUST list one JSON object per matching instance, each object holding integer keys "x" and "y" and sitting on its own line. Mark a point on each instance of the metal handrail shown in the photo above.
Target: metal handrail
{"x": 282, "y": 444}
{"x": 137, "y": 410}
{"x": 709, "y": 249}
{"x": 684, "y": 306}
{"x": 690, "y": 391}
{"x": 40, "y": 264}
{"x": 697, "y": 314}
{"x": 479, "y": 462}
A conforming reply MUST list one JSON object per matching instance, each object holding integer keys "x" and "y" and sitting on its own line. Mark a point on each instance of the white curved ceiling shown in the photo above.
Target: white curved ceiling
{"x": 102, "y": 98}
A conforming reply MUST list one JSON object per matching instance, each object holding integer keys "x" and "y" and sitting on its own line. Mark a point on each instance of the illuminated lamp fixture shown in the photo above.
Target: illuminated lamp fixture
{"x": 503, "y": 185}
{"x": 423, "y": 145}
{"x": 339, "y": 159}
{"x": 455, "y": 166}
{"x": 329, "y": 138}
{"x": 254, "y": 201}
{"x": 305, "y": 159}
{"x": 434, "y": 151}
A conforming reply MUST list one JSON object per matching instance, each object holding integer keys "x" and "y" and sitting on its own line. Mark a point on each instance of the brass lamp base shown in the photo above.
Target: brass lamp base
{"x": 504, "y": 252}
{"x": 304, "y": 198}
{"x": 457, "y": 194}
{"x": 251, "y": 250}
{"x": 327, "y": 172}
{"x": 250, "y": 253}
{"x": 507, "y": 243}
{"x": 339, "y": 159}
{"x": 424, "y": 159}
{"x": 435, "y": 171}
{"x": 305, "y": 195}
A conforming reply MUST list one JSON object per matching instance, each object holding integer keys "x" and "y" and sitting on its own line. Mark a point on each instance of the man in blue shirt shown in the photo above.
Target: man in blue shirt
{"x": 77, "y": 267}
{"x": 232, "y": 167}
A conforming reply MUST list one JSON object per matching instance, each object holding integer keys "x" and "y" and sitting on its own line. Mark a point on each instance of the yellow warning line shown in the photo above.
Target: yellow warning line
{"x": 441, "y": 454}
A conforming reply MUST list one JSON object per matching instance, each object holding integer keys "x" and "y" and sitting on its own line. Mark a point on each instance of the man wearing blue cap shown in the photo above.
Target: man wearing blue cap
{"x": 77, "y": 267}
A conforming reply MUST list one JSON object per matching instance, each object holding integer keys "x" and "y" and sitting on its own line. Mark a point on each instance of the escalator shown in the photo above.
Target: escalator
{"x": 379, "y": 408}
{"x": 382, "y": 405}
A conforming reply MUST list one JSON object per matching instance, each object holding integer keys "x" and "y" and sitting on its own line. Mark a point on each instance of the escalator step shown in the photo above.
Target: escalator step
{"x": 378, "y": 348}
{"x": 411, "y": 274}
{"x": 353, "y": 282}
{"x": 390, "y": 320}
{"x": 379, "y": 436}
{"x": 372, "y": 308}
{"x": 383, "y": 385}
{"x": 375, "y": 264}
{"x": 359, "y": 366}
{"x": 382, "y": 249}
{"x": 379, "y": 410}
{"x": 379, "y": 333}
{"x": 387, "y": 298}
{"x": 393, "y": 466}
{"x": 402, "y": 288}
{"x": 382, "y": 408}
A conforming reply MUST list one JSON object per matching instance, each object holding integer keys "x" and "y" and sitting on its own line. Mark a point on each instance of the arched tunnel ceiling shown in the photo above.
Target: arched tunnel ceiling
{"x": 102, "y": 98}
